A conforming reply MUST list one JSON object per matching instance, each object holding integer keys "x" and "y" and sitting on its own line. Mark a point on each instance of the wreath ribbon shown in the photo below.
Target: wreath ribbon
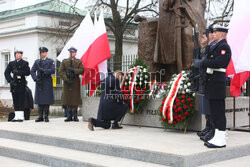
{"x": 169, "y": 100}
{"x": 133, "y": 80}
{"x": 151, "y": 88}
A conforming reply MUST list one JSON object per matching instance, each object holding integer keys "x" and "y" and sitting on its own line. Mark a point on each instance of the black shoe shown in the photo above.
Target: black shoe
{"x": 46, "y": 119}
{"x": 14, "y": 120}
{"x": 19, "y": 120}
{"x": 39, "y": 119}
{"x": 68, "y": 119}
{"x": 209, "y": 145}
{"x": 91, "y": 124}
{"x": 76, "y": 119}
{"x": 116, "y": 126}
{"x": 209, "y": 135}
{"x": 203, "y": 132}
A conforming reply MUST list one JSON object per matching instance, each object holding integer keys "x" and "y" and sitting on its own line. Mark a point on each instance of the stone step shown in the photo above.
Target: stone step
{"x": 242, "y": 162}
{"x": 62, "y": 157}
{"x": 153, "y": 145}
{"x": 94, "y": 147}
{"x": 9, "y": 162}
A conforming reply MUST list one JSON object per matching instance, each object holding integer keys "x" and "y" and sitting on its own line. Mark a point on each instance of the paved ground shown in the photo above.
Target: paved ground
{"x": 153, "y": 139}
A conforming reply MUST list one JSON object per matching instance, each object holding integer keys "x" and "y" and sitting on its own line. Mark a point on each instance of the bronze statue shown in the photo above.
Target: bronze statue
{"x": 177, "y": 18}
{"x": 172, "y": 48}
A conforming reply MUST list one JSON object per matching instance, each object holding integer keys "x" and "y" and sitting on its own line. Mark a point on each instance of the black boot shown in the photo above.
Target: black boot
{"x": 46, "y": 119}
{"x": 75, "y": 116}
{"x": 40, "y": 118}
{"x": 206, "y": 129}
{"x": 69, "y": 118}
{"x": 203, "y": 132}
{"x": 209, "y": 135}
{"x": 115, "y": 125}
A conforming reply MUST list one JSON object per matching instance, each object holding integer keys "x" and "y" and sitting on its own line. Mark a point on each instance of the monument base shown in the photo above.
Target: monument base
{"x": 150, "y": 118}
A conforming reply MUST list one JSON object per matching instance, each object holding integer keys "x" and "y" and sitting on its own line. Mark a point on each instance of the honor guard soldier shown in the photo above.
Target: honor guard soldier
{"x": 41, "y": 72}
{"x": 69, "y": 71}
{"x": 19, "y": 68}
{"x": 215, "y": 90}
{"x": 207, "y": 44}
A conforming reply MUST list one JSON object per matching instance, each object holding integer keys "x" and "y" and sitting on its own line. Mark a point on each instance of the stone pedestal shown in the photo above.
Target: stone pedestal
{"x": 149, "y": 117}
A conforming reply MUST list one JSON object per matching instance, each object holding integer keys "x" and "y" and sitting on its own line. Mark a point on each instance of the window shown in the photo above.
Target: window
{"x": 6, "y": 59}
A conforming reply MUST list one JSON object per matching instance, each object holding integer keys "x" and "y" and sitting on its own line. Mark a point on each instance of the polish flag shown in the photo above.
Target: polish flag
{"x": 96, "y": 56}
{"x": 91, "y": 42}
{"x": 239, "y": 40}
{"x": 81, "y": 40}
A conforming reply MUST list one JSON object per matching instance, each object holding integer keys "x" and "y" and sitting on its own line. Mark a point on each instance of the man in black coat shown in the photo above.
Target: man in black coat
{"x": 28, "y": 102}
{"x": 111, "y": 105}
{"x": 19, "y": 68}
{"x": 41, "y": 72}
{"x": 215, "y": 90}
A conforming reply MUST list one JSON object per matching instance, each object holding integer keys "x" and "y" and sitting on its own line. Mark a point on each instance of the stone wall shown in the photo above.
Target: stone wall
{"x": 150, "y": 117}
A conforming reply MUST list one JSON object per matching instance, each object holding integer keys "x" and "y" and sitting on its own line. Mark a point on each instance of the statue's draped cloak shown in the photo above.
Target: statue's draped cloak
{"x": 177, "y": 18}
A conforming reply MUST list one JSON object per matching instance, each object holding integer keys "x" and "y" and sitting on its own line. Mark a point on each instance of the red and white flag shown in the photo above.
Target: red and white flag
{"x": 96, "y": 56}
{"x": 93, "y": 49}
{"x": 81, "y": 40}
{"x": 239, "y": 40}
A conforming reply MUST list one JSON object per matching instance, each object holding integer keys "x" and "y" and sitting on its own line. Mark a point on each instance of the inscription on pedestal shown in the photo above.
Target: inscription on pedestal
{"x": 152, "y": 112}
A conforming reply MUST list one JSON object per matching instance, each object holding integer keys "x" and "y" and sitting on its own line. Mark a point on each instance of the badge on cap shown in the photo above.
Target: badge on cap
{"x": 223, "y": 52}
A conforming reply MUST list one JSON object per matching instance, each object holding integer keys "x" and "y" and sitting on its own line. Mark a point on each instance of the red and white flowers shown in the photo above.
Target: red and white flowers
{"x": 178, "y": 104}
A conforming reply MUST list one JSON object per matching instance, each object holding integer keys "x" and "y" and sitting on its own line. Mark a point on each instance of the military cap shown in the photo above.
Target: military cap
{"x": 43, "y": 49}
{"x": 210, "y": 29}
{"x": 18, "y": 51}
{"x": 72, "y": 49}
{"x": 220, "y": 28}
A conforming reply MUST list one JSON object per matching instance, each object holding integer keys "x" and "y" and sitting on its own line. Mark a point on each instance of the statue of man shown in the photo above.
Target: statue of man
{"x": 177, "y": 18}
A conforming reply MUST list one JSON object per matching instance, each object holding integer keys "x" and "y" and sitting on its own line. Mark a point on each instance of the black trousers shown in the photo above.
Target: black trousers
{"x": 218, "y": 113}
{"x": 107, "y": 123}
{"x": 26, "y": 113}
{"x": 18, "y": 100}
{"x": 43, "y": 108}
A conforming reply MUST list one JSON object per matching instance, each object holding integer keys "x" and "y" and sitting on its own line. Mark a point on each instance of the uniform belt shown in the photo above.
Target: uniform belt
{"x": 211, "y": 70}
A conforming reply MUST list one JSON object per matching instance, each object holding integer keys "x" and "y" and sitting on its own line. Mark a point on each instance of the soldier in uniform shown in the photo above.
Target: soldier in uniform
{"x": 203, "y": 106}
{"x": 41, "y": 72}
{"x": 19, "y": 68}
{"x": 69, "y": 71}
{"x": 215, "y": 90}
{"x": 111, "y": 105}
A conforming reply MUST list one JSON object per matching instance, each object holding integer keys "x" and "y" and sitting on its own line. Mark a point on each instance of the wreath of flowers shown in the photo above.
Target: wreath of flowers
{"x": 180, "y": 112}
{"x": 136, "y": 86}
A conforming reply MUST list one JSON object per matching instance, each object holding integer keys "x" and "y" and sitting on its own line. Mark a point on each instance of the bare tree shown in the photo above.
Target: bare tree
{"x": 121, "y": 18}
{"x": 219, "y": 11}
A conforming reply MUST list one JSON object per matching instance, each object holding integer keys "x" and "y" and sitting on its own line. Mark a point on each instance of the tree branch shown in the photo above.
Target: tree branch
{"x": 104, "y": 3}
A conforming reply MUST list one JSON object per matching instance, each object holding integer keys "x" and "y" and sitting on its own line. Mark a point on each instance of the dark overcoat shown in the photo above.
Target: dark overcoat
{"x": 111, "y": 102}
{"x": 23, "y": 70}
{"x": 44, "y": 92}
{"x": 219, "y": 57}
{"x": 28, "y": 102}
{"x": 71, "y": 94}
{"x": 203, "y": 104}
